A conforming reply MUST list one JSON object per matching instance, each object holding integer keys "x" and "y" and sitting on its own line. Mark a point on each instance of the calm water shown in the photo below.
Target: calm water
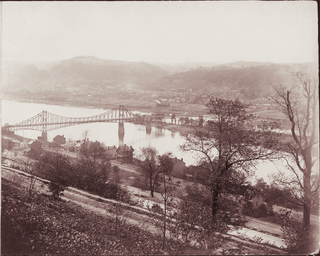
{"x": 135, "y": 135}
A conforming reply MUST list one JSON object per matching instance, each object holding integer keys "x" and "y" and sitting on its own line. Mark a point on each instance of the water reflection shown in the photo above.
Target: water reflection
{"x": 158, "y": 132}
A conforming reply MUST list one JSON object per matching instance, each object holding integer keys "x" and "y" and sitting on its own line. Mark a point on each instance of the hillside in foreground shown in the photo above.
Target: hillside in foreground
{"x": 42, "y": 225}
{"x": 38, "y": 224}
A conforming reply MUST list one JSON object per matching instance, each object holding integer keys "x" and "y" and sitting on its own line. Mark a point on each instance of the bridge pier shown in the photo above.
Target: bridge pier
{"x": 121, "y": 133}
{"x": 44, "y": 136}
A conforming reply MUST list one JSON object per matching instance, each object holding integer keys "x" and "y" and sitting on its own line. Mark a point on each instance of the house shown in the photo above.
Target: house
{"x": 35, "y": 145}
{"x": 111, "y": 152}
{"x": 178, "y": 167}
{"x": 59, "y": 139}
{"x": 125, "y": 153}
{"x": 256, "y": 201}
{"x": 35, "y": 148}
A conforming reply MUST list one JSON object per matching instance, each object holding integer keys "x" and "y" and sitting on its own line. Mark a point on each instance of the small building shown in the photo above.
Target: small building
{"x": 35, "y": 145}
{"x": 125, "y": 154}
{"x": 59, "y": 139}
{"x": 257, "y": 200}
{"x": 35, "y": 149}
{"x": 111, "y": 152}
{"x": 178, "y": 167}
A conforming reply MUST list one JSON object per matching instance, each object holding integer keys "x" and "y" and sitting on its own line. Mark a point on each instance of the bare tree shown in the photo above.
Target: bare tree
{"x": 149, "y": 167}
{"x": 166, "y": 189}
{"x": 301, "y": 105}
{"x": 228, "y": 146}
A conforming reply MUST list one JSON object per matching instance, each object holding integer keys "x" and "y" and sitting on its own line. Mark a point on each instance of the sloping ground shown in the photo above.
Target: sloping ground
{"x": 133, "y": 215}
{"x": 44, "y": 226}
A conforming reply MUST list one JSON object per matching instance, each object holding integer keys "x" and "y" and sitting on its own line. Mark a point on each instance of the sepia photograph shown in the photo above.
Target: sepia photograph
{"x": 159, "y": 128}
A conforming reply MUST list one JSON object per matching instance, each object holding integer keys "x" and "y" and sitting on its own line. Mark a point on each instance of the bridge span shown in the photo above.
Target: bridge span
{"x": 46, "y": 121}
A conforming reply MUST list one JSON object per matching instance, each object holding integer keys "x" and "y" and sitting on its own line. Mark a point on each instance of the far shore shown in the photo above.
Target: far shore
{"x": 131, "y": 104}
{"x": 148, "y": 107}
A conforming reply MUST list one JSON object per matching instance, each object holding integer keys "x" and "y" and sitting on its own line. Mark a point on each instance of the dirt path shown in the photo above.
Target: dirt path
{"x": 264, "y": 226}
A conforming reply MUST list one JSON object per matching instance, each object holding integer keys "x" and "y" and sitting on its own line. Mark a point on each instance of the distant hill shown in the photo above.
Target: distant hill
{"x": 233, "y": 76}
{"x": 86, "y": 74}
{"x": 82, "y": 71}
{"x": 182, "y": 67}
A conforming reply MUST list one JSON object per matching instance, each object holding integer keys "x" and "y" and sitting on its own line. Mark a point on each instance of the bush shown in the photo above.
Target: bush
{"x": 261, "y": 211}
{"x": 156, "y": 208}
{"x": 113, "y": 190}
{"x": 248, "y": 209}
{"x": 297, "y": 238}
{"x": 56, "y": 168}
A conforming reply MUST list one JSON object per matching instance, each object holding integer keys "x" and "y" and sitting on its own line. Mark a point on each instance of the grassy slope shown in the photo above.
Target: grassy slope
{"x": 42, "y": 225}
{"x": 56, "y": 227}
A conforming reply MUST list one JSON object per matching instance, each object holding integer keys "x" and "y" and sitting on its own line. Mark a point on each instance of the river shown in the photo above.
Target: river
{"x": 163, "y": 140}
{"x": 135, "y": 135}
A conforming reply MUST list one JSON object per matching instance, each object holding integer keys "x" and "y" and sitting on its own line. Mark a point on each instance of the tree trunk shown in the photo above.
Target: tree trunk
{"x": 307, "y": 200}
{"x": 214, "y": 207}
{"x": 307, "y": 187}
{"x": 151, "y": 187}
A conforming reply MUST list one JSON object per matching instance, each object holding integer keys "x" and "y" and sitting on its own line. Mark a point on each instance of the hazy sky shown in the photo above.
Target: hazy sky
{"x": 161, "y": 31}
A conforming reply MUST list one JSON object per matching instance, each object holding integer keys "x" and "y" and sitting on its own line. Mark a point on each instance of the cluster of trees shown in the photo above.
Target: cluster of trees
{"x": 229, "y": 146}
{"x": 91, "y": 172}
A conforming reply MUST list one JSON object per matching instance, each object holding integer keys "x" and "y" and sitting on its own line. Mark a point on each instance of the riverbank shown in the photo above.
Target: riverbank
{"x": 132, "y": 104}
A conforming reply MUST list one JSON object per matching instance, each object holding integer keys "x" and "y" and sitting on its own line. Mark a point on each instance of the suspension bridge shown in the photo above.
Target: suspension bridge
{"x": 46, "y": 121}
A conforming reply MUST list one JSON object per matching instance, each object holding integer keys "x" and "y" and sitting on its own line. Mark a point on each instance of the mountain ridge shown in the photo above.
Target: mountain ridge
{"x": 93, "y": 73}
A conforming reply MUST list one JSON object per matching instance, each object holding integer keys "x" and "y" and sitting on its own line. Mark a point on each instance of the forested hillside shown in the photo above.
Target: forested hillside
{"x": 256, "y": 79}
{"x": 82, "y": 71}
{"x": 87, "y": 75}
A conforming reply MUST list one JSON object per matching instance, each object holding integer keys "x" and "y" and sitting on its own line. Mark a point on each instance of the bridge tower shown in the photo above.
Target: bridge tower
{"x": 44, "y": 133}
{"x": 121, "y": 125}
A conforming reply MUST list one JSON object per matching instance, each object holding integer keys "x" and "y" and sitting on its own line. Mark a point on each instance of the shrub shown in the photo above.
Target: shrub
{"x": 156, "y": 208}
{"x": 261, "y": 211}
{"x": 297, "y": 238}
